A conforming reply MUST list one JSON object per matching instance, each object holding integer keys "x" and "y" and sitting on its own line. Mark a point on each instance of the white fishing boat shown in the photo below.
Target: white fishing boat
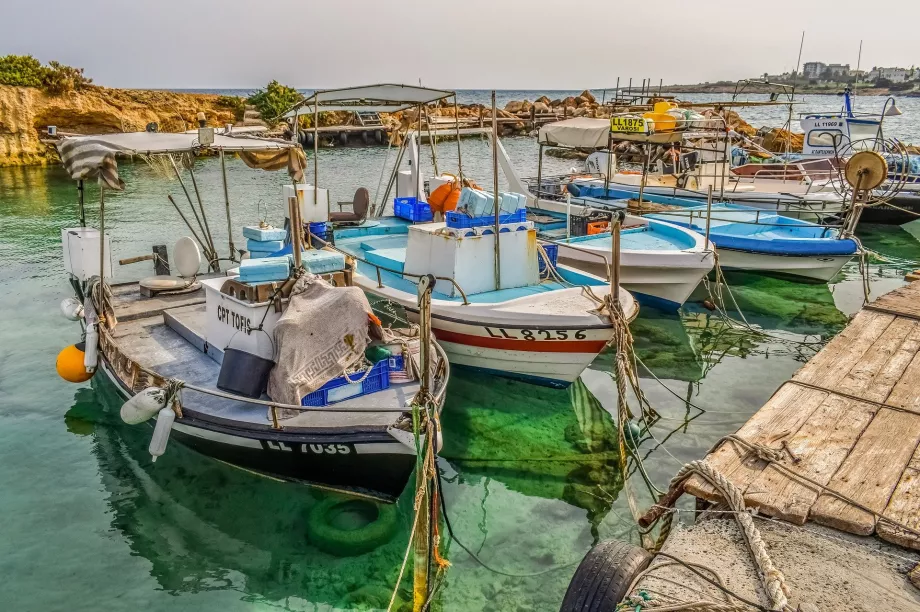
{"x": 660, "y": 263}
{"x": 490, "y": 307}
{"x": 282, "y": 369}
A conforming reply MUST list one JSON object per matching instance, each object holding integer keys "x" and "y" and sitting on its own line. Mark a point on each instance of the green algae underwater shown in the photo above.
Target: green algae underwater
{"x": 532, "y": 476}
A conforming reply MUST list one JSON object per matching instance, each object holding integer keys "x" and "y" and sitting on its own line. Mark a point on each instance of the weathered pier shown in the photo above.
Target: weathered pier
{"x": 831, "y": 466}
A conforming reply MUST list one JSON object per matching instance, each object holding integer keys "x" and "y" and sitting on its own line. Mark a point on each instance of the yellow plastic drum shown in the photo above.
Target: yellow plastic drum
{"x": 663, "y": 121}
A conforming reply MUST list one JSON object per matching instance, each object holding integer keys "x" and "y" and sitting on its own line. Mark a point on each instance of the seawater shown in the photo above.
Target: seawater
{"x": 531, "y": 477}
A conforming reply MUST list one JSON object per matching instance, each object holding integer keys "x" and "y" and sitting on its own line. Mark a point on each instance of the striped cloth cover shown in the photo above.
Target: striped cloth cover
{"x": 85, "y": 158}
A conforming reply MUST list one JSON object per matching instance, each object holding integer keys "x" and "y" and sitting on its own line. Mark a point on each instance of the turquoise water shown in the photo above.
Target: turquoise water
{"x": 531, "y": 479}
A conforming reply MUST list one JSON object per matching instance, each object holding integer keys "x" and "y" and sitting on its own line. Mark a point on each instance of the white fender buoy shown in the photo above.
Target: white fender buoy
{"x": 72, "y": 309}
{"x": 165, "y": 419}
{"x": 91, "y": 352}
{"x": 143, "y": 406}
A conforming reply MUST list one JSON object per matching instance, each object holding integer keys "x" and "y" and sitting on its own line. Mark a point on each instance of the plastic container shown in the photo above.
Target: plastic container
{"x": 552, "y": 251}
{"x": 459, "y": 220}
{"x": 339, "y": 389}
{"x": 244, "y": 373}
{"x": 598, "y": 227}
{"x": 319, "y": 229}
{"x": 412, "y": 210}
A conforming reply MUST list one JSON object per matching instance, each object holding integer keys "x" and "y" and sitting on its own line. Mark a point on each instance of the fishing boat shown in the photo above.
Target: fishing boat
{"x": 748, "y": 239}
{"x": 490, "y": 307}
{"x": 660, "y": 263}
{"x": 276, "y": 364}
{"x": 702, "y": 161}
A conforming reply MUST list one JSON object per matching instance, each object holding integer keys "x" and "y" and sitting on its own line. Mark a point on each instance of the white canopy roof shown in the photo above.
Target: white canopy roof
{"x": 150, "y": 143}
{"x": 384, "y": 98}
{"x": 582, "y": 132}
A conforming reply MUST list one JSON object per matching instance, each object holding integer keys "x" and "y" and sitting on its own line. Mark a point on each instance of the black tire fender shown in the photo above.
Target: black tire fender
{"x": 603, "y": 577}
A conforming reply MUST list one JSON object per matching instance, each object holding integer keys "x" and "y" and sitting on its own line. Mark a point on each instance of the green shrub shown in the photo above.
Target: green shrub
{"x": 21, "y": 71}
{"x": 234, "y": 103}
{"x": 274, "y": 100}
{"x": 55, "y": 78}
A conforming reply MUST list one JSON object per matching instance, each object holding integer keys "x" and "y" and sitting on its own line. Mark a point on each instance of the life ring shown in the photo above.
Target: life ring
{"x": 347, "y": 527}
{"x": 604, "y": 576}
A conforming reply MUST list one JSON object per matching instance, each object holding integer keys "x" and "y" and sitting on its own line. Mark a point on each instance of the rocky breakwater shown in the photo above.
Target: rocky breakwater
{"x": 26, "y": 113}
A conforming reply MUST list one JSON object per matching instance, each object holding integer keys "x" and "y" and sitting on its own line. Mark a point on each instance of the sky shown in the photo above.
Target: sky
{"x": 470, "y": 44}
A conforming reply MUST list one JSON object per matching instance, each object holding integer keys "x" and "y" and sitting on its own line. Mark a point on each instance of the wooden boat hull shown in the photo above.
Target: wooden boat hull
{"x": 375, "y": 465}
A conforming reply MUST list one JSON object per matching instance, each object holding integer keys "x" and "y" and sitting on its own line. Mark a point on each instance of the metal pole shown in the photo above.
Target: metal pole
{"x": 101, "y": 236}
{"x": 432, "y": 144}
{"x": 215, "y": 265}
{"x": 316, "y": 147}
{"x": 416, "y": 173}
{"x": 204, "y": 243}
{"x": 223, "y": 172}
{"x": 498, "y": 276}
{"x": 708, "y": 216}
{"x": 80, "y": 203}
{"x": 539, "y": 173}
{"x": 645, "y": 164}
{"x": 457, "y": 129}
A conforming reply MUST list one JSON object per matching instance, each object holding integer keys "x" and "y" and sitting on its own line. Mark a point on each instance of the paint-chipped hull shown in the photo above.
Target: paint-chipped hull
{"x": 372, "y": 464}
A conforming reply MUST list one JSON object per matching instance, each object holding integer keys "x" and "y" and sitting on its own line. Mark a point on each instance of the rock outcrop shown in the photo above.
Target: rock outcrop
{"x": 26, "y": 112}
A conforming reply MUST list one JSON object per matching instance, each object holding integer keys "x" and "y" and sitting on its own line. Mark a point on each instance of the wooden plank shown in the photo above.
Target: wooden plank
{"x": 877, "y": 361}
{"x": 834, "y": 361}
{"x": 821, "y": 446}
{"x": 905, "y": 300}
{"x": 885, "y": 382}
{"x": 904, "y": 507}
{"x": 870, "y": 472}
{"x": 780, "y": 417}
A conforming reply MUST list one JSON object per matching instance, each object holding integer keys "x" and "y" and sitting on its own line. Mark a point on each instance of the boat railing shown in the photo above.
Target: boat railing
{"x": 701, "y": 215}
{"x": 380, "y": 269}
{"x": 585, "y": 251}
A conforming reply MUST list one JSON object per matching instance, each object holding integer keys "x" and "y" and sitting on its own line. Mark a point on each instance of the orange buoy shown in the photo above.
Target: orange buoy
{"x": 445, "y": 197}
{"x": 70, "y": 365}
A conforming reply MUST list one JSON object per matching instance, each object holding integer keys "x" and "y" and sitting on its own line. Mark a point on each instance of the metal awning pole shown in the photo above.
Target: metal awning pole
{"x": 708, "y": 216}
{"x": 539, "y": 173}
{"x": 495, "y": 207}
{"x": 457, "y": 130}
{"x": 432, "y": 144}
{"x": 101, "y": 236}
{"x": 316, "y": 146}
{"x": 296, "y": 229}
{"x": 609, "y": 163}
{"x": 82, "y": 209}
{"x": 223, "y": 172}
{"x": 645, "y": 164}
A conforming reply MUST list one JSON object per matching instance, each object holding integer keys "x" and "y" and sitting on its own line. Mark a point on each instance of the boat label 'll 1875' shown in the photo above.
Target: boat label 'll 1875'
{"x": 537, "y": 334}
{"x": 630, "y": 125}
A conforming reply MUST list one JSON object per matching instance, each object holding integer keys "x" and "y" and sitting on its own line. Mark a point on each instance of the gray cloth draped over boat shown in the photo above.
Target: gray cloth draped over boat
{"x": 88, "y": 157}
{"x": 324, "y": 330}
{"x": 580, "y": 132}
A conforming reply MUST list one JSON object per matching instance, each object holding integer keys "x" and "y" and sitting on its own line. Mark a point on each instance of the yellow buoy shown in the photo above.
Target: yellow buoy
{"x": 70, "y": 365}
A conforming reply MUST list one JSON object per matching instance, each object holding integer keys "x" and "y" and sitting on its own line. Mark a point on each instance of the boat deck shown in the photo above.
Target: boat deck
{"x": 850, "y": 420}
{"x": 167, "y": 335}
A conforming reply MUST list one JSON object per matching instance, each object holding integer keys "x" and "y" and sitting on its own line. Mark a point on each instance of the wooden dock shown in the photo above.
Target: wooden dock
{"x": 848, "y": 420}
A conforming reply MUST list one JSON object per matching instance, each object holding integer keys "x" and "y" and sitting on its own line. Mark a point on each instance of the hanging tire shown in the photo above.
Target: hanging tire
{"x": 603, "y": 577}
{"x": 366, "y": 138}
{"x": 348, "y": 527}
{"x": 378, "y": 136}
{"x": 343, "y": 138}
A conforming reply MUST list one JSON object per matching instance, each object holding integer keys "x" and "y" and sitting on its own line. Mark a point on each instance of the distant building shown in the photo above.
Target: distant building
{"x": 895, "y": 75}
{"x": 837, "y": 70}
{"x": 814, "y": 70}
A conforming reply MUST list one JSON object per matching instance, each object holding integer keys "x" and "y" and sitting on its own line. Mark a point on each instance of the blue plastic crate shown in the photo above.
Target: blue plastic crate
{"x": 339, "y": 389}
{"x": 396, "y": 363}
{"x": 459, "y": 220}
{"x": 412, "y": 210}
{"x": 552, "y": 251}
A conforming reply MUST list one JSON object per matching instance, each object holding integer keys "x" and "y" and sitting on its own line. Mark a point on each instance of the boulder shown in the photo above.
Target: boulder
{"x": 540, "y": 107}
{"x": 526, "y": 106}
{"x": 587, "y": 95}
{"x": 579, "y": 101}
{"x": 570, "y": 110}
{"x": 514, "y": 106}
{"x": 555, "y": 103}
{"x": 543, "y": 100}
{"x": 570, "y": 101}
{"x": 580, "y": 112}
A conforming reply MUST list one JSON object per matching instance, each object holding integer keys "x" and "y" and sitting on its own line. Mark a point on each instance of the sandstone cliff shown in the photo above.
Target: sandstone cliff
{"x": 26, "y": 112}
